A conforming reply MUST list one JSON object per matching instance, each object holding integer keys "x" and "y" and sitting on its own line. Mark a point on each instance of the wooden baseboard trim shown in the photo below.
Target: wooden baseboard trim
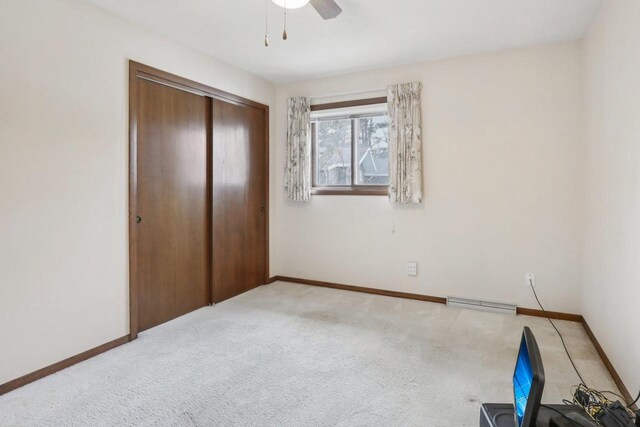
{"x": 359, "y": 289}
{"x": 520, "y": 310}
{"x": 607, "y": 363}
{"x": 557, "y": 315}
{"x": 48, "y": 370}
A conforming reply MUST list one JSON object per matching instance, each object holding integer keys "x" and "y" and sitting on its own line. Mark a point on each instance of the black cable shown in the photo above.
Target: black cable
{"x": 635, "y": 401}
{"x": 559, "y": 334}
{"x": 603, "y": 408}
{"x": 563, "y": 415}
{"x": 613, "y": 393}
{"x": 622, "y": 399}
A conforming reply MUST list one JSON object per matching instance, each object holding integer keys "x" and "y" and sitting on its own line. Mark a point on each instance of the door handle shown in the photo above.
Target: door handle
{"x": 138, "y": 220}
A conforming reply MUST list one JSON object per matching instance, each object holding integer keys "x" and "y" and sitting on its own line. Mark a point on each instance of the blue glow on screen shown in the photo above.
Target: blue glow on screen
{"x": 522, "y": 379}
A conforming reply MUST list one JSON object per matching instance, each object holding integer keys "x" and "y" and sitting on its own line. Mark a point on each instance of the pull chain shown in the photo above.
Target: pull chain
{"x": 284, "y": 33}
{"x": 266, "y": 23}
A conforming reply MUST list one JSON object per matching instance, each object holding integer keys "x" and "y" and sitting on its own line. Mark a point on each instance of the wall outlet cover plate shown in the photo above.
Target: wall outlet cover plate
{"x": 530, "y": 279}
{"x": 412, "y": 269}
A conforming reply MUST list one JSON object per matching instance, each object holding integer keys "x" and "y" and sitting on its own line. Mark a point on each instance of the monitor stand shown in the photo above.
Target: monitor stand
{"x": 501, "y": 415}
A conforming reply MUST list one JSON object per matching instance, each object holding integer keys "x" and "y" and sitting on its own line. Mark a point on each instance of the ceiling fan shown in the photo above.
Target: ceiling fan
{"x": 328, "y": 9}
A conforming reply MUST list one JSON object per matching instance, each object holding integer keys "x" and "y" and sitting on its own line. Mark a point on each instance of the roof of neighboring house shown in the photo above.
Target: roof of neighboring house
{"x": 371, "y": 166}
{"x": 374, "y": 166}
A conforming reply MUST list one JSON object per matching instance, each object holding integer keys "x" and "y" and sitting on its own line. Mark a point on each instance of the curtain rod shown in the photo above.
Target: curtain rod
{"x": 339, "y": 95}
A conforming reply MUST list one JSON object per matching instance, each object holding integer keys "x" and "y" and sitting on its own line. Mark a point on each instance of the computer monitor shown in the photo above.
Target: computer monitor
{"x": 528, "y": 381}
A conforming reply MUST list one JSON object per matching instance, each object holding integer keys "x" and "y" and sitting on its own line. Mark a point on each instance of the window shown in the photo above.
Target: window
{"x": 350, "y": 150}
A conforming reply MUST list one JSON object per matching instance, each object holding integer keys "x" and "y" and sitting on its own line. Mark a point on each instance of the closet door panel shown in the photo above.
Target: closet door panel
{"x": 239, "y": 218}
{"x": 173, "y": 252}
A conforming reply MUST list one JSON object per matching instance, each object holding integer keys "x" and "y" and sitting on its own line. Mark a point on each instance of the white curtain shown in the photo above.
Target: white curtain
{"x": 405, "y": 143}
{"x": 297, "y": 174}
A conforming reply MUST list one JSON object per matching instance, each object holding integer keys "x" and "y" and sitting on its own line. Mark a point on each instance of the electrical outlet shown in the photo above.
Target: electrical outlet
{"x": 412, "y": 269}
{"x": 531, "y": 279}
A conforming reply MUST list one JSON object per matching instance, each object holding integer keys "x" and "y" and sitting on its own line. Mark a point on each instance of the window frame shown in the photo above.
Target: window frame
{"x": 344, "y": 190}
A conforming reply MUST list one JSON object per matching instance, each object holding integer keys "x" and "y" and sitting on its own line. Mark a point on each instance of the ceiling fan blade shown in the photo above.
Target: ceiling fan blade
{"x": 328, "y": 9}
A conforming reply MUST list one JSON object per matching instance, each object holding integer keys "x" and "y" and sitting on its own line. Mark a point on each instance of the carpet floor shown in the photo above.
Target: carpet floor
{"x": 295, "y": 355}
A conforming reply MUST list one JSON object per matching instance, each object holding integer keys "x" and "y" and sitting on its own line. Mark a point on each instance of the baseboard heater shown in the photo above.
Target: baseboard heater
{"x": 494, "y": 307}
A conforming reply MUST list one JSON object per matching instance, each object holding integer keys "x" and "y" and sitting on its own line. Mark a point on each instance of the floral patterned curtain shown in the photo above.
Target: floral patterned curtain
{"x": 405, "y": 143}
{"x": 297, "y": 174}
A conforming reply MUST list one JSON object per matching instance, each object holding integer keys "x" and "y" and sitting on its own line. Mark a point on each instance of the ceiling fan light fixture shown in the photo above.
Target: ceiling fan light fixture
{"x": 291, "y": 4}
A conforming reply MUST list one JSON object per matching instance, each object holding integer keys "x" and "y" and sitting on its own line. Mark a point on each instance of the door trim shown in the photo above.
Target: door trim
{"x": 136, "y": 71}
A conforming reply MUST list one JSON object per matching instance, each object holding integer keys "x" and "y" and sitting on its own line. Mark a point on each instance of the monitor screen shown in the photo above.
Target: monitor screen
{"x": 522, "y": 381}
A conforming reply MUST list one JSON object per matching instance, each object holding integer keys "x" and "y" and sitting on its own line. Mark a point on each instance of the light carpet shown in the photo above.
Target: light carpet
{"x": 295, "y": 355}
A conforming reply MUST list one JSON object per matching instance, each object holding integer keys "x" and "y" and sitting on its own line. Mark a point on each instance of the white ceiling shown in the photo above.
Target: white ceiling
{"x": 368, "y": 33}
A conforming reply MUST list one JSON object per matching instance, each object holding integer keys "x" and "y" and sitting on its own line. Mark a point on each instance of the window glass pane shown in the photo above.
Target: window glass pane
{"x": 372, "y": 152}
{"x": 333, "y": 152}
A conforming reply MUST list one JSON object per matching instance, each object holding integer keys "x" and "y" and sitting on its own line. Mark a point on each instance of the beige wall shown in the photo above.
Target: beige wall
{"x": 611, "y": 297}
{"x": 503, "y": 171}
{"x": 63, "y": 172}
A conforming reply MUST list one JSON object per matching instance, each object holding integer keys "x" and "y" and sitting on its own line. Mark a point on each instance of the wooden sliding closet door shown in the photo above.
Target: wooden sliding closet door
{"x": 239, "y": 198}
{"x": 198, "y": 208}
{"x": 172, "y": 214}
